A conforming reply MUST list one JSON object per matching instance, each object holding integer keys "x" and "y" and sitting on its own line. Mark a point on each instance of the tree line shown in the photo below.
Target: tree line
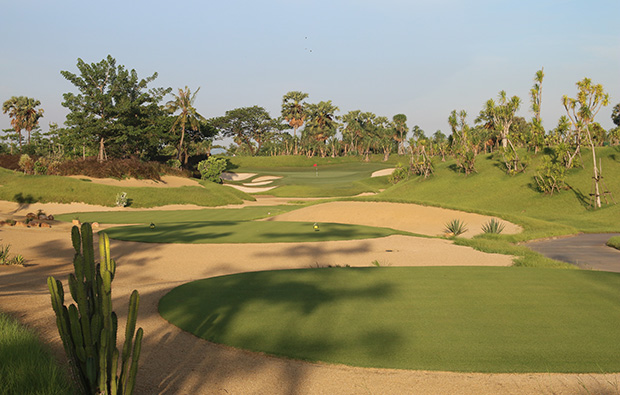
{"x": 114, "y": 113}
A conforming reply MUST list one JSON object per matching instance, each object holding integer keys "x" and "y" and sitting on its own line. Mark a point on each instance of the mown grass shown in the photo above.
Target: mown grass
{"x": 239, "y": 163}
{"x": 614, "y": 242}
{"x": 169, "y": 216}
{"x": 26, "y": 366}
{"x": 341, "y": 178}
{"x": 22, "y": 188}
{"x": 481, "y": 319}
{"x": 246, "y": 232}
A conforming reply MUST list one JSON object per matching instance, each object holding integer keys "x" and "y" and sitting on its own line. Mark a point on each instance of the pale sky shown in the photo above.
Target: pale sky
{"x": 421, "y": 58}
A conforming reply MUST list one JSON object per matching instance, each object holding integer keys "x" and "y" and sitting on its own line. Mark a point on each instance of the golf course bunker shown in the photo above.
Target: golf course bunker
{"x": 408, "y": 217}
{"x": 383, "y": 172}
{"x": 230, "y": 176}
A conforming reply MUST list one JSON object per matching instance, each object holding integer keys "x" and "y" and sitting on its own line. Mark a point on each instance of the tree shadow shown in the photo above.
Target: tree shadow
{"x": 582, "y": 198}
{"x": 24, "y": 201}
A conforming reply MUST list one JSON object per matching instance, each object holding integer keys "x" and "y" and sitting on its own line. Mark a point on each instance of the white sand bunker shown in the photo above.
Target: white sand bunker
{"x": 384, "y": 172}
{"x": 265, "y": 178}
{"x": 247, "y": 189}
{"x": 408, "y": 217}
{"x": 231, "y": 176}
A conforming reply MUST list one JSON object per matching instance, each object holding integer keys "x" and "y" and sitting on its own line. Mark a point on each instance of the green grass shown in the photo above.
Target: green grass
{"x": 333, "y": 179}
{"x": 245, "y": 232}
{"x": 31, "y": 189}
{"x": 515, "y": 198}
{"x": 614, "y": 242}
{"x": 465, "y": 319}
{"x": 26, "y": 366}
{"x": 169, "y": 216}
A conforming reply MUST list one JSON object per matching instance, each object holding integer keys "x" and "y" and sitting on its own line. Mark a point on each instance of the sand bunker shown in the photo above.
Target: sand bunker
{"x": 176, "y": 362}
{"x": 409, "y": 217}
{"x": 230, "y": 176}
{"x": 384, "y": 172}
{"x": 166, "y": 182}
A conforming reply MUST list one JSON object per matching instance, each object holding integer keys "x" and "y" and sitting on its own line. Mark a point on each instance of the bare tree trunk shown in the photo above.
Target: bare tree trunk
{"x": 101, "y": 155}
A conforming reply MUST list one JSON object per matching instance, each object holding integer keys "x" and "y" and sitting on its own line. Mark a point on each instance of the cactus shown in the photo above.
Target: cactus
{"x": 88, "y": 328}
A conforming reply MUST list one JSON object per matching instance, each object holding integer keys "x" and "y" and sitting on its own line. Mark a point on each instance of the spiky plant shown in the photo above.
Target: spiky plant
{"x": 493, "y": 226}
{"x": 456, "y": 227}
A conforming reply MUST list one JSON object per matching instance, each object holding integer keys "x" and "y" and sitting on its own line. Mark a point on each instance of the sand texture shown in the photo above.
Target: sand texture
{"x": 176, "y": 362}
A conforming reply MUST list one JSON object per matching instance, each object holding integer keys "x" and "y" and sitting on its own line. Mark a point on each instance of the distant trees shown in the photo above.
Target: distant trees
{"x": 321, "y": 124}
{"x": 250, "y": 127}
{"x": 538, "y": 132}
{"x": 401, "y": 130}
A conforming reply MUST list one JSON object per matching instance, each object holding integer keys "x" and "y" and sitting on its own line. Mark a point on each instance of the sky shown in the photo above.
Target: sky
{"x": 422, "y": 58}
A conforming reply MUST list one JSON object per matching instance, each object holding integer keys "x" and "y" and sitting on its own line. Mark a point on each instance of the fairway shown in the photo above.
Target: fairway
{"x": 451, "y": 319}
{"x": 245, "y": 232}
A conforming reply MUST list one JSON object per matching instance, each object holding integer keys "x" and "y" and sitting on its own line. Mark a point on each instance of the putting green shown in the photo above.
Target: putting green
{"x": 245, "y": 232}
{"x": 431, "y": 318}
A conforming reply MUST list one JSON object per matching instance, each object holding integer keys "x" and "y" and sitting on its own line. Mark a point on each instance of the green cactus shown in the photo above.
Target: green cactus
{"x": 88, "y": 328}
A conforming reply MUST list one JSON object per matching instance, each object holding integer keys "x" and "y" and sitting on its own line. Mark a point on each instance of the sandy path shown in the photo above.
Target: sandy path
{"x": 175, "y": 362}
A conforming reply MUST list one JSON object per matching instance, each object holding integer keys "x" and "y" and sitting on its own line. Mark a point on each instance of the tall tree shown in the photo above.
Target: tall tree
{"x": 581, "y": 112}
{"x": 250, "y": 127}
{"x": 23, "y": 113}
{"x": 109, "y": 96}
{"x": 322, "y": 124}
{"x": 538, "y": 132}
{"x": 184, "y": 102}
{"x": 401, "y": 129}
{"x": 615, "y": 115}
{"x": 294, "y": 111}
{"x": 500, "y": 116}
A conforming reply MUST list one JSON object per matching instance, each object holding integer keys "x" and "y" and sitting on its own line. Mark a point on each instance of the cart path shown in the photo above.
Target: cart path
{"x": 587, "y": 251}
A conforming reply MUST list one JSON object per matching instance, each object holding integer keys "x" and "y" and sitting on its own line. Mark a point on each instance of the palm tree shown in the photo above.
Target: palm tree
{"x": 31, "y": 114}
{"x": 401, "y": 129}
{"x": 294, "y": 111}
{"x": 322, "y": 122}
{"x": 184, "y": 102}
{"x": 13, "y": 106}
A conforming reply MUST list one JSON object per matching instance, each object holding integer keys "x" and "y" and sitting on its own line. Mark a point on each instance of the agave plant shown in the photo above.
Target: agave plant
{"x": 456, "y": 227}
{"x": 493, "y": 226}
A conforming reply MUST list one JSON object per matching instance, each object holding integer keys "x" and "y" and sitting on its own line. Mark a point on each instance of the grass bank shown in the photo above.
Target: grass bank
{"x": 22, "y": 188}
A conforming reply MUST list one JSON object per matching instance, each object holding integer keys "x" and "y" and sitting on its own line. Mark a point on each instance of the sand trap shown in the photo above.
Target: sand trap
{"x": 265, "y": 178}
{"x": 257, "y": 183}
{"x": 409, "y": 217}
{"x": 176, "y": 362}
{"x": 230, "y": 176}
{"x": 384, "y": 172}
{"x": 250, "y": 189}
{"x": 166, "y": 182}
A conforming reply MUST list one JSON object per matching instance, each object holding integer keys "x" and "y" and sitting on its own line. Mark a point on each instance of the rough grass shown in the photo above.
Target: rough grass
{"x": 614, "y": 242}
{"x": 31, "y": 189}
{"x": 26, "y": 366}
{"x": 465, "y": 319}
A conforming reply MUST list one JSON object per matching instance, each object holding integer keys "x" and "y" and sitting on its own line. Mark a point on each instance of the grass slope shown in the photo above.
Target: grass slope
{"x": 26, "y": 366}
{"x": 515, "y": 197}
{"x": 31, "y": 189}
{"x": 432, "y": 318}
{"x": 245, "y": 232}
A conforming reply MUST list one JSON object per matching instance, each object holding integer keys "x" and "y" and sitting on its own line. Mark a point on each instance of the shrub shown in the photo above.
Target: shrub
{"x": 456, "y": 227}
{"x": 400, "y": 173}
{"x": 6, "y": 259}
{"x": 211, "y": 169}
{"x": 550, "y": 176}
{"x": 493, "y": 226}
{"x": 40, "y": 167}
{"x": 26, "y": 164}
{"x": 121, "y": 199}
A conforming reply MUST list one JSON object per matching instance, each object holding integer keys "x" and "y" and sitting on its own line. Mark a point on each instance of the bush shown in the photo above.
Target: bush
{"x": 400, "y": 173}
{"x": 211, "y": 169}
{"x": 550, "y": 176}
{"x": 121, "y": 199}
{"x": 26, "y": 164}
{"x": 6, "y": 259}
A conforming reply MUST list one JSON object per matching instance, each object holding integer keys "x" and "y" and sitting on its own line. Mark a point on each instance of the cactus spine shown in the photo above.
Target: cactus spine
{"x": 88, "y": 328}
